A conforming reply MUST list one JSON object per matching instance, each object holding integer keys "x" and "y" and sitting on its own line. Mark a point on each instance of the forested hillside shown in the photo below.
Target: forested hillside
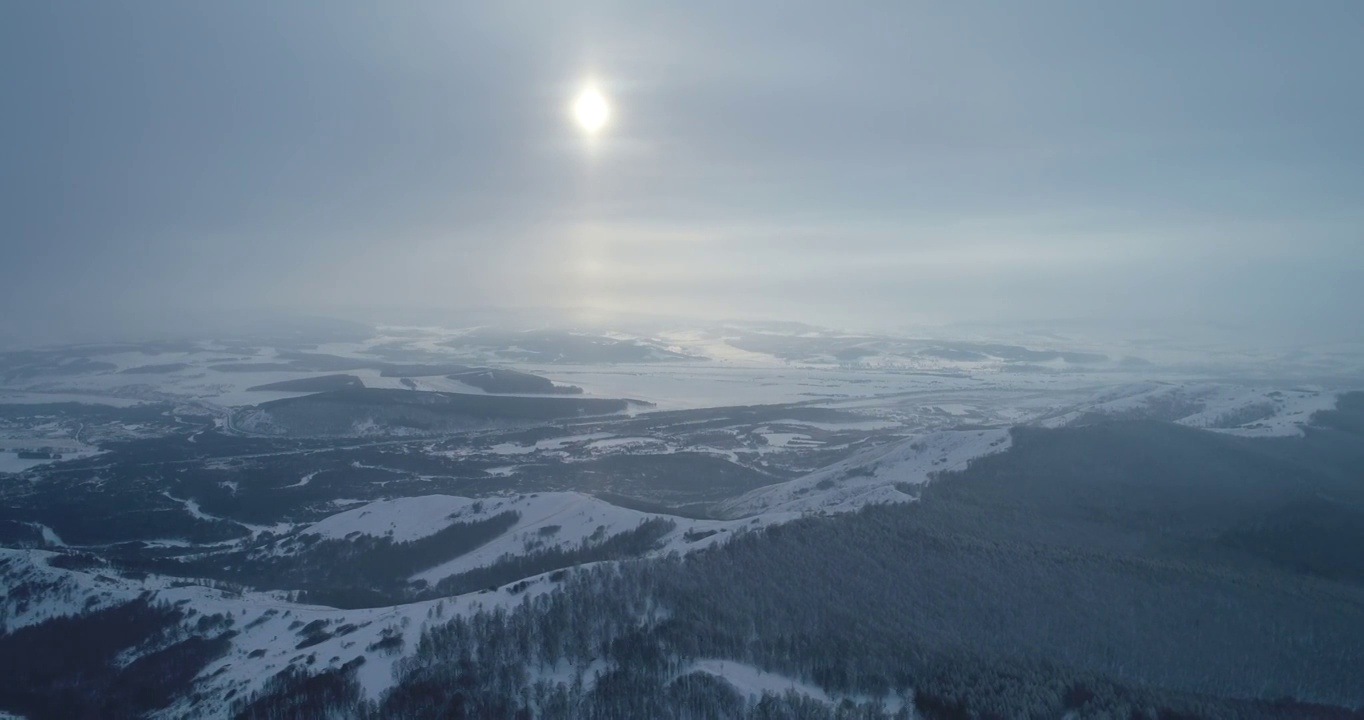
{"x": 1121, "y": 569}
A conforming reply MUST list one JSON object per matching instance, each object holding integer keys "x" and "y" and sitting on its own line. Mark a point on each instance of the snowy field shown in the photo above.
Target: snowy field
{"x": 10, "y": 462}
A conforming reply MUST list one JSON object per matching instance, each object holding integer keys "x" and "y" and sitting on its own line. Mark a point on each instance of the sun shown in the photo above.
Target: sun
{"x": 591, "y": 110}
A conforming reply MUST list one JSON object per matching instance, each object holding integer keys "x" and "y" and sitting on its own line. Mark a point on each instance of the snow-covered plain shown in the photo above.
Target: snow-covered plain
{"x": 11, "y": 463}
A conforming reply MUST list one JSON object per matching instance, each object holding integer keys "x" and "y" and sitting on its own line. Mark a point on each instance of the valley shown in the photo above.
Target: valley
{"x": 301, "y": 514}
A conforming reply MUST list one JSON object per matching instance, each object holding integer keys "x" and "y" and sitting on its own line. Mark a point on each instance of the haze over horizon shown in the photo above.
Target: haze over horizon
{"x": 748, "y": 360}
{"x": 1162, "y": 164}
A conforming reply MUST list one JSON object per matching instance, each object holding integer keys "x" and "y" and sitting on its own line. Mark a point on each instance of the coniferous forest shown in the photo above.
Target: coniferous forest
{"x": 1123, "y": 570}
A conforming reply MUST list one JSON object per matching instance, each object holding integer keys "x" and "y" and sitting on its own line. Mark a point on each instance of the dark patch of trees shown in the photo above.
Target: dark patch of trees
{"x": 1086, "y": 571}
{"x": 295, "y": 695}
{"x": 513, "y": 381}
{"x": 336, "y": 412}
{"x": 69, "y": 667}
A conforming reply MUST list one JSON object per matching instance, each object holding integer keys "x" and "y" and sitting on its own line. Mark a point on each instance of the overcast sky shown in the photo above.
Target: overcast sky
{"x": 862, "y": 164}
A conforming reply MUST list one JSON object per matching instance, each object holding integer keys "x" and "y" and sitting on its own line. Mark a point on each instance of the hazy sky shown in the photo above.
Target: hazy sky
{"x": 869, "y": 164}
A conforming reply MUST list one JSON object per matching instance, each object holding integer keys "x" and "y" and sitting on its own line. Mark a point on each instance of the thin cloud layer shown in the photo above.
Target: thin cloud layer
{"x": 885, "y": 166}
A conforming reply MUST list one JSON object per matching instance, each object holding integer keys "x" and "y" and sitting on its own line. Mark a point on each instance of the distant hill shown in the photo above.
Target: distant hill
{"x": 413, "y": 370}
{"x": 512, "y": 381}
{"x": 380, "y": 411}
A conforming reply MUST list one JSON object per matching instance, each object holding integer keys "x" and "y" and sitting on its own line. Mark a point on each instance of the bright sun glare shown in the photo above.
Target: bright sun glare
{"x": 591, "y": 111}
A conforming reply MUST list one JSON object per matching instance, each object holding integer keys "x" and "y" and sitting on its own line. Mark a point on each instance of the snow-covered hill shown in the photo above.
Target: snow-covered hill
{"x": 551, "y": 520}
{"x": 402, "y": 519}
{"x": 1232, "y": 408}
{"x": 871, "y": 476}
{"x": 271, "y": 633}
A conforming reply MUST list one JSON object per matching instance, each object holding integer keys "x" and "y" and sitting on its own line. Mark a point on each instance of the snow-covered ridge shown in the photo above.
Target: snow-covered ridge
{"x": 269, "y": 630}
{"x": 1260, "y": 412}
{"x": 545, "y": 521}
{"x": 1234, "y": 409}
{"x": 568, "y": 520}
{"x": 267, "y": 626}
{"x": 871, "y": 476}
{"x": 753, "y": 683}
{"x": 563, "y": 520}
{"x": 401, "y": 519}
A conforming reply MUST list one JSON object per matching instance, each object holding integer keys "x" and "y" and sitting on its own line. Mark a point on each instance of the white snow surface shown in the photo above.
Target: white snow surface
{"x": 12, "y": 463}
{"x": 564, "y": 520}
{"x": 403, "y": 519}
{"x": 783, "y": 439}
{"x": 870, "y": 477}
{"x": 569, "y": 520}
{"x": 9, "y": 397}
{"x": 1231, "y": 408}
{"x": 753, "y": 682}
{"x": 262, "y": 621}
{"x": 1286, "y": 411}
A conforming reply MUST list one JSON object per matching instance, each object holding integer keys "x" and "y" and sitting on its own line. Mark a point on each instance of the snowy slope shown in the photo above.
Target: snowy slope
{"x": 1259, "y": 412}
{"x": 403, "y": 519}
{"x": 269, "y": 635}
{"x": 871, "y": 476}
{"x": 58, "y": 592}
{"x": 1236, "y": 409}
{"x": 568, "y": 520}
{"x": 268, "y": 628}
{"x": 565, "y": 520}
